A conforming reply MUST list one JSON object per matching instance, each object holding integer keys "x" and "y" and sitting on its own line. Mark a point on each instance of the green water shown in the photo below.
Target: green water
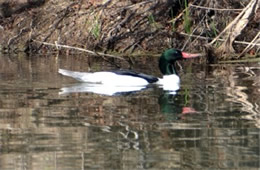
{"x": 211, "y": 123}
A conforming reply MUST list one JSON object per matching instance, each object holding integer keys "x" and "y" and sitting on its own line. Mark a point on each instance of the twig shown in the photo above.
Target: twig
{"x": 202, "y": 7}
{"x": 55, "y": 24}
{"x": 215, "y": 9}
{"x": 23, "y": 30}
{"x": 138, "y": 4}
{"x": 207, "y": 38}
{"x": 79, "y": 49}
{"x": 190, "y": 35}
{"x": 178, "y": 17}
{"x": 251, "y": 45}
{"x": 231, "y": 25}
{"x": 252, "y": 60}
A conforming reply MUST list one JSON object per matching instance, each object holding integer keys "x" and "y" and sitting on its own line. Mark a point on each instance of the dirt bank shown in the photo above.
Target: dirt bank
{"x": 126, "y": 26}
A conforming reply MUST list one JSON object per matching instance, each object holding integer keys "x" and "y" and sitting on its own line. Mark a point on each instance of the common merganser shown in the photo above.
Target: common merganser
{"x": 128, "y": 80}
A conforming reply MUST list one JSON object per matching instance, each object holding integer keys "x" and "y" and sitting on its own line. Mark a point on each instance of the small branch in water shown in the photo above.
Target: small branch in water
{"x": 79, "y": 49}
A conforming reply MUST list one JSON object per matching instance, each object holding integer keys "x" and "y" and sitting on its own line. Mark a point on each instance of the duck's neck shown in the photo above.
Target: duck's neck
{"x": 166, "y": 68}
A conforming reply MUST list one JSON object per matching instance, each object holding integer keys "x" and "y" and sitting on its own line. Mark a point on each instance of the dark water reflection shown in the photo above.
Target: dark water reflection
{"x": 211, "y": 123}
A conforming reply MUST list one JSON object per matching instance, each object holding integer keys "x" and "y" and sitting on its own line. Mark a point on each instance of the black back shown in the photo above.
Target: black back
{"x": 148, "y": 78}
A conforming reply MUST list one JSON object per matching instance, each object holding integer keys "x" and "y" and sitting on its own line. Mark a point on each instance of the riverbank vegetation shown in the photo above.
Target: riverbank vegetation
{"x": 224, "y": 30}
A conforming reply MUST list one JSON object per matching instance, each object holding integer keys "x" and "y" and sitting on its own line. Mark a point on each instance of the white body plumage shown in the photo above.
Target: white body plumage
{"x": 110, "y": 83}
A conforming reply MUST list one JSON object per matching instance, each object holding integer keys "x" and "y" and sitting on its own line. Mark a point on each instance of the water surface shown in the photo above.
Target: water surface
{"x": 212, "y": 122}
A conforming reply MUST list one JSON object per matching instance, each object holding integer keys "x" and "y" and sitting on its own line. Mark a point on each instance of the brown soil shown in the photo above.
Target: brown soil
{"x": 122, "y": 26}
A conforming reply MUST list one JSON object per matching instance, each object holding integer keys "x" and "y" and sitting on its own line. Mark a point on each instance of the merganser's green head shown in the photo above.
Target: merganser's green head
{"x": 168, "y": 59}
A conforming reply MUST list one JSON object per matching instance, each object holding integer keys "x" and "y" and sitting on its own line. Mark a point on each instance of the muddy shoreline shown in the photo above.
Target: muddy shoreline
{"x": 128, "y": 26}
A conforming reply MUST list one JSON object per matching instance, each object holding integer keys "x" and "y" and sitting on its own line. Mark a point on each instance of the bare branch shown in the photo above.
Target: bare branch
{"x": 215, "y": 9}
{"x": 251, "y": 45}
{"x": 207, "y": 38}
{"x": 79, "y": 49}
{"x": 235, "y": 27}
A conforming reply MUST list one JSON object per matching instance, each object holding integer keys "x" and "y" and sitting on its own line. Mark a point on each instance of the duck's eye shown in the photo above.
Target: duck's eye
{"x": 175, "y": 52}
